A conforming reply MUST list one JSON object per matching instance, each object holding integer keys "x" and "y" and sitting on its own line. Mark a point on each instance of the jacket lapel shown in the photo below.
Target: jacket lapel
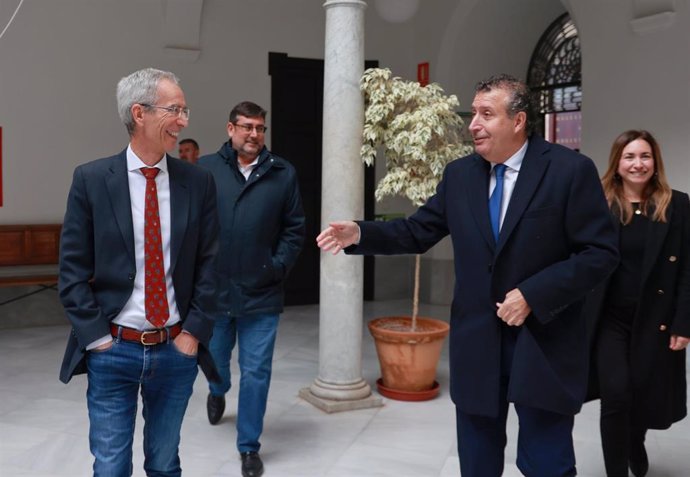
{"x": 533, "y": 167}
{"x": 117, "y": 184}
{"x": 478, "y": 197}
{"x": 179, "y": 210}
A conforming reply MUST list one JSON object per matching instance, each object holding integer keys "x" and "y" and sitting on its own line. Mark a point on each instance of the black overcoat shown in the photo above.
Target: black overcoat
{"x": 658, "y": 374}
{"x": 555, "y": 245}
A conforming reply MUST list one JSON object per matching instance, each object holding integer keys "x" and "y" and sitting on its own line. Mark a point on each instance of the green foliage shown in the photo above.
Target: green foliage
{"x": 418, "y": 129}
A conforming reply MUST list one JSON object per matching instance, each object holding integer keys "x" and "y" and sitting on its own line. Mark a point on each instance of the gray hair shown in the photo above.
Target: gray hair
{"x": 141, "y": 87}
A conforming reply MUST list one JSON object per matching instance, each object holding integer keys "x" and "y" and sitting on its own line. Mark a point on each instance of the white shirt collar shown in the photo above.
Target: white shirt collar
{"x": 514, "y": 162}
{"x": 247, "y": 170}
{"x": 134, "y": 163}
{"x": 251, "y": 164}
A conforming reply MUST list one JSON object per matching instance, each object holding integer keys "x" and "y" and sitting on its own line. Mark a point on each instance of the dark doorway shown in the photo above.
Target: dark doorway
{"x": 296, "y": 128}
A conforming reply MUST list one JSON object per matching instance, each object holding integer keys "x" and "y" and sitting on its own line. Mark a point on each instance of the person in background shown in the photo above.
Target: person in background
{"x": 262, "y": 233}
{"x": 189, "y": 150}
{"x": 641, "y": 314}
{"x": 137, "y": 280}
{"x": 531, "y": 236}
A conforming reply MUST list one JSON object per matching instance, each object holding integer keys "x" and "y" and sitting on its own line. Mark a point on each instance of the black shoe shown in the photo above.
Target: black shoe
{"x": 639, "y": 463}
{"x": 251, "y": 464}
{"x": 215, "y": 407}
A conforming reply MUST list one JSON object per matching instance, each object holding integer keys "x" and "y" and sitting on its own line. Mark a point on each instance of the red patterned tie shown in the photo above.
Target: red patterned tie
{"x": 154, "y": 285}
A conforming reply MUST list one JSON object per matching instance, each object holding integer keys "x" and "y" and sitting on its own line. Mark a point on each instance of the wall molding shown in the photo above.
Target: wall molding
{"x": 652, "y": 23}
{"x": 182, "y": 29}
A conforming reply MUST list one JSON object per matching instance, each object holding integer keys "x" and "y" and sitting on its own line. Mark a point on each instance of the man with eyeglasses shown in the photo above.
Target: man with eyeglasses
{"x": 137, "y": 280}
{"x": 262, "y": 232}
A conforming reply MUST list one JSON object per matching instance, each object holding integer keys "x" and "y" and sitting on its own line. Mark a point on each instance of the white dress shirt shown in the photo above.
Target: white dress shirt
{"x": 133, "y": 314}
{"x": 513, "y": 165}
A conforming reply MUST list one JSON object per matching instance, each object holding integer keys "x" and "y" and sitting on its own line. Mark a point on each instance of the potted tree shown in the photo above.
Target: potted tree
{"x": 419, "y": 132}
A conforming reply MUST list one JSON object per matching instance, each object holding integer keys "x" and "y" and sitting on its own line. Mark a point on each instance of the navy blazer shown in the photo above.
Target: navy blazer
{"x": 97, "y": 263}
{"x": 556, "y": 243}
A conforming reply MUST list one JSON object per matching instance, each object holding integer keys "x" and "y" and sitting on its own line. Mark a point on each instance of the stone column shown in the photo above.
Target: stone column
{"x": 339, "y": 385}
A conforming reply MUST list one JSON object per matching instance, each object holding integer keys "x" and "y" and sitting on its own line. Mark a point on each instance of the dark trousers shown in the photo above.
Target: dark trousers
{"x": 618, "y": 432}
{"x": 545, "y": 443}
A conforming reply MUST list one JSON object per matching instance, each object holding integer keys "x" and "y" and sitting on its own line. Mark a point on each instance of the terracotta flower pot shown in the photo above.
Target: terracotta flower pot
{"x": 408, "y": 358}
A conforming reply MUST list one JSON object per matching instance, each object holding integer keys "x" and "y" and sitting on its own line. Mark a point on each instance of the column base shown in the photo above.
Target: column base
{"x": 336, "y": 398}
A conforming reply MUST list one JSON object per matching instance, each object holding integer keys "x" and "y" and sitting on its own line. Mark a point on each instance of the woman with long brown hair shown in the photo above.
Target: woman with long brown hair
{"x": 642, "y": 322}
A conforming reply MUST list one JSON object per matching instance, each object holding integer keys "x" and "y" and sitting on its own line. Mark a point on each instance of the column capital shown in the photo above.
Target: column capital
{"x": 345, "y": 3}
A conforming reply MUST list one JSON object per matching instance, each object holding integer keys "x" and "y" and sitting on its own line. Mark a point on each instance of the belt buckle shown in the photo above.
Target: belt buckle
{"x": 143, "y": 337}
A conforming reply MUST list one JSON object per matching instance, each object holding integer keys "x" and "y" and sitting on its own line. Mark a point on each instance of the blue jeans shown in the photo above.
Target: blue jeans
{"x": 165, "y": 378}
{"x": 256, "y": 335}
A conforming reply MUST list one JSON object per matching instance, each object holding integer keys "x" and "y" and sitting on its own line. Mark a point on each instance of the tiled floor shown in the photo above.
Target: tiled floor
{"x": 44, "y": 426}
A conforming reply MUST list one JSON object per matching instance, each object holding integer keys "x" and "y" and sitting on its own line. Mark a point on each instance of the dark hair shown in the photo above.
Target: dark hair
{"x": 248, "y": 110}
{"x": 191, "y": 141}
{"x": 520, "y": 96}
{"x": 657, "y": 193}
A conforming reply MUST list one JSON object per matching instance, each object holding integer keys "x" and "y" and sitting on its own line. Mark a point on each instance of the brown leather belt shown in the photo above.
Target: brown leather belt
{"x": 147, "y": 337}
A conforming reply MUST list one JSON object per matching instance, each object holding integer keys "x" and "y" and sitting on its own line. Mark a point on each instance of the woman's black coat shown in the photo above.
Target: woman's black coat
{"x": 658, "y": 374}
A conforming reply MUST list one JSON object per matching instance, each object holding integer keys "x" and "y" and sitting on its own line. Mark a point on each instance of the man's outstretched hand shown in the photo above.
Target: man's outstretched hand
{"x": 337, "y": 236}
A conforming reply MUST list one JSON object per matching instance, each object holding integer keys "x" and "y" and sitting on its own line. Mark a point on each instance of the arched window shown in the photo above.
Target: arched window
{"x": 555, "y": 77}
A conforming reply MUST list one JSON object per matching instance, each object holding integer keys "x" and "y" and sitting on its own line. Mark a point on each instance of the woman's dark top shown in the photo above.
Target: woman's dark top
{"x": 624, "y": 289}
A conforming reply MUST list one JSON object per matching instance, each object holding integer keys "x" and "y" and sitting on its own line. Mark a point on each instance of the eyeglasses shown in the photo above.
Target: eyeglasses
{"x": 248, "y": 128}
{"x": 176, "y": 110}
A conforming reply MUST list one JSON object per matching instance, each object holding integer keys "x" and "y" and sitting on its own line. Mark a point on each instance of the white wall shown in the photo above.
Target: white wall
{"x": 635, "y": 80}
{"x": 494, "y": 36}
{"x": 61, "y": 61}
